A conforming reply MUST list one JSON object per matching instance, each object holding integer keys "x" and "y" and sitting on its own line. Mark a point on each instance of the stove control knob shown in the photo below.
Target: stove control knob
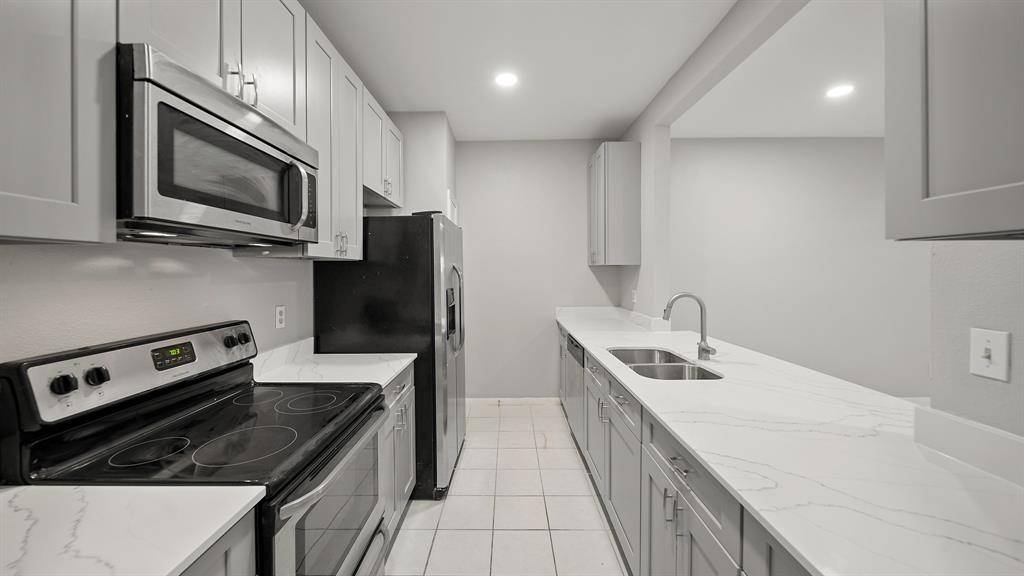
{"x": 244, "y": 338}
{"x": 64, "y": 384}
{"x": 96, "y": 376}
{"x": 230, "y": 341}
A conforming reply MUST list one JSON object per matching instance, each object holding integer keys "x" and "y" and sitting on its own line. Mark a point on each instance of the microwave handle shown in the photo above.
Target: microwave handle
{"x": 304, "y": 191}
{"x": 303, "y": 502}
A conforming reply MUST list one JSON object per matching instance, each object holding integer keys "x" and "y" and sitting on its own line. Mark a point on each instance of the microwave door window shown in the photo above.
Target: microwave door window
{"x": 204, "y": 166}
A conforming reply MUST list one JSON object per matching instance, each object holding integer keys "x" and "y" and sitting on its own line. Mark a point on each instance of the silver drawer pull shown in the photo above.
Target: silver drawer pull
{"x": 621, "y": 399}
{"x": 670, "y": 515}
{"x": 684, "y": 472}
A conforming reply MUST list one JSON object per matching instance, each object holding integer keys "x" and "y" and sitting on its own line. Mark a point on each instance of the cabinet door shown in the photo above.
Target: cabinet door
{"x": 405, "y": 451}
{"x": 322, "y": 134}
{"x": 373, "y": 144}
{"x": 386, "y": 457}
{"x": 234, "y": 554}
{"x": 393, "y": 164}
{"x": 762, "y": 554}
{"x": 57, "y": 120}
{"x": 596, "y": 204}
{"x": 700, "y": 553}
{"x": 274, "y": 60}
{"x": 623, "y": 485}
{"x": 595, "y": 422}
{"x": 954, "y": 126}
{"x": 658, "y": 541}
{"x": 201, "y": 35}
{"x": 562, "y": 353}
{"x": 348, "y": 215}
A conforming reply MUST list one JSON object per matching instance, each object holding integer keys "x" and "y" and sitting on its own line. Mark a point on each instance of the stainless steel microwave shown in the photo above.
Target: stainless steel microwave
{"x": 196, "y": 165}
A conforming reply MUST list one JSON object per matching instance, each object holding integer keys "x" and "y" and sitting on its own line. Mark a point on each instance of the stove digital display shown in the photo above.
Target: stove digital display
{"x": 172, "y": 356}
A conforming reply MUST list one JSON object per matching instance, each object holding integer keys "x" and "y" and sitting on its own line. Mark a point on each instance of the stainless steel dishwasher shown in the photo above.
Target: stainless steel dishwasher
{"x": 574, "y": 386}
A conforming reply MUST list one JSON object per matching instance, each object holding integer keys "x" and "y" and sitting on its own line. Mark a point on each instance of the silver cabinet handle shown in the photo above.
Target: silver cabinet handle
{"x": 600, "y": 411}
{"x": 344, "y": 242}
{"x": 666, "y": 496}
{"x": 681, "y": 511}
{"x": 255, "y": 89}
{"x": 620, "y": 399}
{"x": 337, "y": 243}
{"x": 237, "y": 71}
{"x": 683, "y": 472}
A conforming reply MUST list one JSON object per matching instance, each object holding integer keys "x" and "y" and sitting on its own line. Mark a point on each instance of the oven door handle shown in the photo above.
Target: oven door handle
{"x": 304, "y": 191}
{"x": 303, "y": 502}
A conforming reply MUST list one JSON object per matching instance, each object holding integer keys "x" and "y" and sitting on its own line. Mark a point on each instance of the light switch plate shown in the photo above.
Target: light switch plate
{"x": 990, "y": 354}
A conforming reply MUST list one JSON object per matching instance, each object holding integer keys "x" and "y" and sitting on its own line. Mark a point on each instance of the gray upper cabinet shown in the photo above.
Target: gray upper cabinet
{"x": 254, "y": 49}
{"x": 274, "y": 60}
{"x": 202, "y": 35}
{"x": 613, "y": 200}
{"x": 954, "y": 122}
{"x": 57, "y": 120}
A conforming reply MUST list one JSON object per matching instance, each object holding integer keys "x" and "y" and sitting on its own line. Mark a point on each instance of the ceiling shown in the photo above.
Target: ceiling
{"x": 779, "y": 91}
{"x": 586, "y": 68}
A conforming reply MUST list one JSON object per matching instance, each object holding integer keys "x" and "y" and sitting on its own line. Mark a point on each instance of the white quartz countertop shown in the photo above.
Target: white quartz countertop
{"x": 297, "y": 363}
{"x": 829, "y": 467}
{"x": 130, "y": 530}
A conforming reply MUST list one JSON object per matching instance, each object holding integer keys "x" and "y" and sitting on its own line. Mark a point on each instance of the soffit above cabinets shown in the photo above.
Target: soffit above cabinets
{"x": 586, "y": 69}
{"x": 779, "y": 91}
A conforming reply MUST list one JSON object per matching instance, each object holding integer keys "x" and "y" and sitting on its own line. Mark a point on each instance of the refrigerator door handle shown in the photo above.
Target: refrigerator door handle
{"x": 462, "y": 321}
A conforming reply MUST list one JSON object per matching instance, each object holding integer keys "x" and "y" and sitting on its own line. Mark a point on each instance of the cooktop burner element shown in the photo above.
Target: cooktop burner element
{"x": 148, "y": 451}
{"x": 311, "y": 402}
{"x": 257, "y": 396}
{"x": 244, "y": 446}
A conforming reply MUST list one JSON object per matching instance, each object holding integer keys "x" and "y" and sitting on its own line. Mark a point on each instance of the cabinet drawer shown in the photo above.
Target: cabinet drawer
{"x": 625, "y": 404}
{"x": 711, "y": 502}
{"x": 600, "y": 376}
{"x": 763, "y": 555}
{"x": 394, "y": 390}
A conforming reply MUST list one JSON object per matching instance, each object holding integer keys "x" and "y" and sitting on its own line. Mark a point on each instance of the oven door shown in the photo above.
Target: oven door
{"x": 193, "y": 168}
{"x": 327, "y": 524}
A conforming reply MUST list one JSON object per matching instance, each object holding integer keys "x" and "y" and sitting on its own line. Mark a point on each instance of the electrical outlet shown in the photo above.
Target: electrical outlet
{"x": 990, "y": 354}
{"x": 279, "y": 317}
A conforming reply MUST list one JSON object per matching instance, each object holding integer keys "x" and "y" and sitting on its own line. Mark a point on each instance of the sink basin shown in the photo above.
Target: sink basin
{"x": 630, "y": 356}
{"x": 675, "y": 372}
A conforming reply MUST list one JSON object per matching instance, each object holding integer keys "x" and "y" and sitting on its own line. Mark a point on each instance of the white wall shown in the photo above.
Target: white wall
{"x": 747, "y": 25}
{"x": 977, "y": 284}
{"x": 59, "y": 297}
{"x": 524, "y": 217}
{"x": 784, "y": 238}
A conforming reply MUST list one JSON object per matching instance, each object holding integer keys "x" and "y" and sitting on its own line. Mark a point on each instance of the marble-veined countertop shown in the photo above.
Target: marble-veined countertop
{"x": 130, "y": 530}
{"x": 297, "y": 363}
{"x": 830, "y": 468}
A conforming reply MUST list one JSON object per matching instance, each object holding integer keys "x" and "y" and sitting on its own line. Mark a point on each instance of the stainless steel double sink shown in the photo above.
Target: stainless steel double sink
{"x": 661, "y": 364}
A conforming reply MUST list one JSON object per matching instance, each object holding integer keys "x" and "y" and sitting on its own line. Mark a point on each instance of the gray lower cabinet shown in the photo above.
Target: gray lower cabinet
{"x": 234, "y": 554}
{"x": 397, "y": 449}
{"x": 674, "y": 540}
{"x": 595, "y": 443}
{"x": 622, "y": 495}
{"x": 762, "y": 554}
{"x": 563, "y": 354}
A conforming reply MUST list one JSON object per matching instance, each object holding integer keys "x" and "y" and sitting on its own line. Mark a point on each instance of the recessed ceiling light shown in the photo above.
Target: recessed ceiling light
{"x": 506, "y": 79}
{"x": 158, "y": 234}
{"x": 839, "y": 91}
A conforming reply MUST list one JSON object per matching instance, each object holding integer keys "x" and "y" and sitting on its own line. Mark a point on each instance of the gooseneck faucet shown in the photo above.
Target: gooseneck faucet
{"x": 704, "y": 351}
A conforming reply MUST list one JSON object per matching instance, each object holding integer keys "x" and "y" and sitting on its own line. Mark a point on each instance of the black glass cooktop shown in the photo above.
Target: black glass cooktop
{"x": 260, "y": 434}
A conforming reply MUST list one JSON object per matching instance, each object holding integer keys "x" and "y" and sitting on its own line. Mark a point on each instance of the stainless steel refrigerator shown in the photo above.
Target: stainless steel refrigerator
{"x": 406, "y": 295}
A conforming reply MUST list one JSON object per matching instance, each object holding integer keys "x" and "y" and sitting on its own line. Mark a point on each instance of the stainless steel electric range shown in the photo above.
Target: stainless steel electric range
{"x": 183, "y": 408}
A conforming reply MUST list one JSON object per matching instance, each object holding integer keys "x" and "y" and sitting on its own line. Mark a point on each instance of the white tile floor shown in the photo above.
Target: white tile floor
{"x": 520, "y": 504}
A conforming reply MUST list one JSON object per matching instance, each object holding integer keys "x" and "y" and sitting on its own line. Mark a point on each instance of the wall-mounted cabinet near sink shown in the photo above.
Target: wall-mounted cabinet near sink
{"x": 613, "y": 201}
